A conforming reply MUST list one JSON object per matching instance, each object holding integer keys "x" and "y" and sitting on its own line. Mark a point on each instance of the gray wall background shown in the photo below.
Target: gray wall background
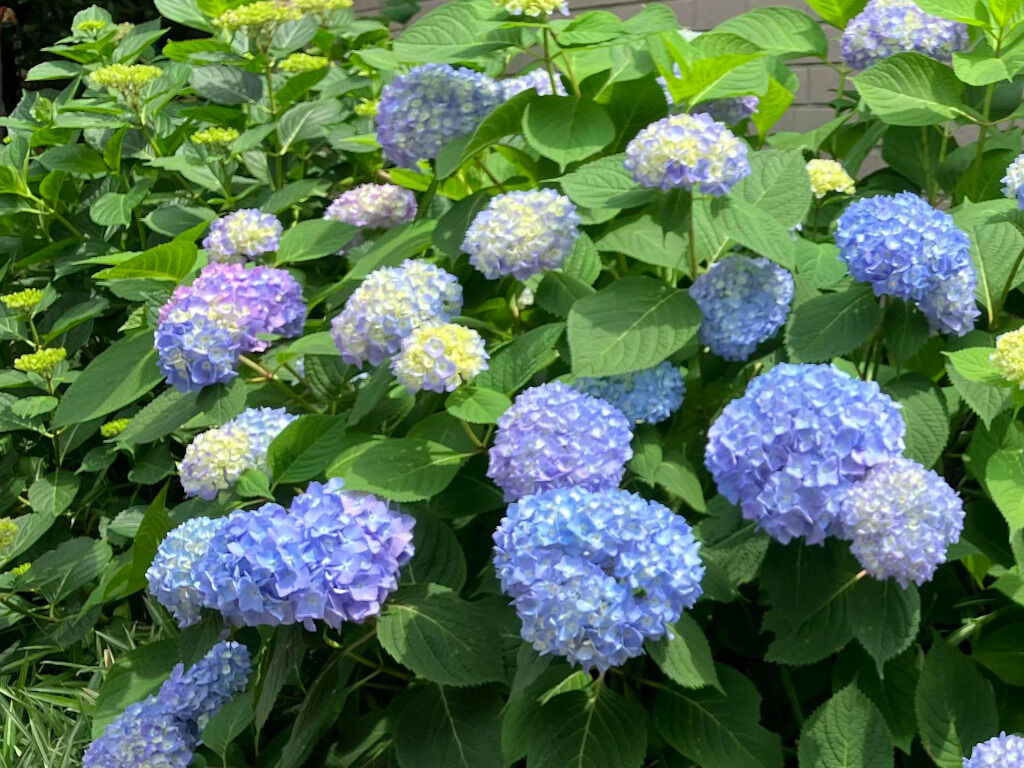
{"x": 817, "y": 81}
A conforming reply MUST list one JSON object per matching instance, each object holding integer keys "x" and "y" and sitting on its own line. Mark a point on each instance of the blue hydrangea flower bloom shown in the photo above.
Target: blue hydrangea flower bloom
{"x": 215, "y": 458}
{"x": 1002, "y": 751}
{"x": 171, "y": 576}
{"x": 650, "y": 395}
{"x": 905, "y": 248}
{"x": 556, "y": 437}
{"x": 593, "y": 575}
{"x": 389, "y": 304}
{"x": 887, "y": 27}
{"x": 374, "y": 206}
{"x": 163, "y": 730}
{"x": 687, "y": 150}
{"x": 439, "y": 358}
{"x": 1013, "y": 181}
{"x": 423, "y": 110}
{"x": 334, "y": 556}
{"x": 537, "y": 79}
{"x": 206, "y": 326}
{"x": 744, "y": 301}
{"x": 243, "y": 234}
{"x": 900, "y": 519}
{"x": 790, "y": 449}
{"x": 522, "y": 233}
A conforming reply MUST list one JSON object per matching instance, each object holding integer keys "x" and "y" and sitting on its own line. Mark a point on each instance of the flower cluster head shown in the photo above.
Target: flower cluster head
{"x": 687, "y": 150}
{"x": 1002, "y": 751}
{"x": 114, "y": 428}
{"x": 907, "y": 249}
{"x": 556, "y": 437}
{"x": 216, "y": 458}
{"x": 522, "y": 233}
{"x": 1009, "y": 356}
{"x": 374, "y": 206}
{"x": 297, "y": 63}
{"x": 258, "y": 16}
{"x": 124, "y": 29}
{"x": 593, "y": 574}
{"x": 534, "y": 7}
{"x": 887, "y": 27}
{"x": 538, "y": 79}
{"x": 389, "y": 305}
{"x": 439, "y": 358}
{"x": 125, "y": 78}
{"x": 8, "y": 532}
{"x": 1013, "y": 181}
{"x": 790, "y": 449}
{"x": 162, "y": 730}
{"x": 23, "y": 300}
{"x": 171, "y": 576}
{"x": 215, "y": 137}
{"x": 246, "y": 233}
{"x": 41, "y": 361}
{"x": 650, "y": 395}
{"x": 829, "y": 176}
{"x": 206, "y": 326}
{"x": 744, "y": 301}
{"x": 91, "y": 27}
{"x": 334, "y": 555}
{"x": 423, "y": 110}
{"x": 367, "y": 108}
{"x": 900, "y": 519}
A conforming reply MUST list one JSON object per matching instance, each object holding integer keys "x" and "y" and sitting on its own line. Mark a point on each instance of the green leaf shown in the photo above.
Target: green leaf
{"x": 976, "y": 364}
{"x": 456, "y": 728}
{"x": 284, "y": 651}
{"x": 605, "y": 183}
{"x": 155, "y": 525}
{"x": 73, "y": 564}
{"x": 308, "y": 120}
{"x": 313, "y": 239}
{"x": 906, "y": 331}
{"x": 513, "y": 365}
{"x": 847, "y": 731}
{"x": 304, "y": 449}
{"x": 911, "y": 89}
{"x": 184, "y": 12}
{"x": 477, "y": 405}
{"x": 224, "y": 84}
{"x": 599, "y": 729}
{"x": 832, "y": 324}
{"x": 403, "y": 469}
{"x": 884, "y": 616}
{"x": 837, "y": 12}
{"x": 74, "y": 158}
{"x": 228, "y": 723}
{"x": 645, "y": 239}
{"x": 1004, "y": 477}
{"x": 439, "y": 558}
{"x": 505, "y": 120}
{"x": 924, "y": 411}
{"x": 567, "y": 129}
{"x": 686, "y": 657}
{"x": 968, "y": 11}
{"x": 136, "y": 674}
{"x": 954, "y": 704}
{"x": 319, "y": 711}
{"x": 679, "y": 478}
{"x": 753, "y": 228}
{"x": 558, "y": 292}
{"x": 441, "y": 637}
{"x": 778, "y": 184}
{"x": 170, "y": 261}
{"x": 784, "y": 32}
{"x": 53, "y": 70}
{"x": 452, "y": 33}
{"x": 52, "y": 494}
{"x": 732, "y": 548}
{"x": 119, "y": 376}
{"x": 718, "y": 728}
{"x": 633, "y": 324}
{"x": 161, "y": 416}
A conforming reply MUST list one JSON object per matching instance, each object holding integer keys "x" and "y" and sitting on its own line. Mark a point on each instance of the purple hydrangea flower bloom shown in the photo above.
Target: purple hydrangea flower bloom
{"x": 206, "y": 326}
{"x": 556, "y": 437}
{"x": 243, "y": 234}
{"x": 687, "y": 150}
{"x": 217, "y": 457}
{"x": 887, "y": 27}
{"x": 593, "y": 575}
{"x": 744, "y": 301}
{"x": 1013, "y": 181}
{"x": 163, "y": 730}
{"x": 171, "y": 576}
{"x": 1002, "y": 751}
{"x": 522, "y": 233}
{"x": 790, "y": 449}
{"x": 373, "y": 206}
{"x": 389, "y": 305}
{"x": 334, "y": 555}
{"x": 429, "y": 106}
{"x": 905, "y": 248}
{"x": 538, "y": 79}
{"x": 650, "y": 395}
{"x": 900, "y": 519}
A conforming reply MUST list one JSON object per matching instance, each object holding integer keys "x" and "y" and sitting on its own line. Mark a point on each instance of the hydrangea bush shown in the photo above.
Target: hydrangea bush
{"x": 507, "y": 386}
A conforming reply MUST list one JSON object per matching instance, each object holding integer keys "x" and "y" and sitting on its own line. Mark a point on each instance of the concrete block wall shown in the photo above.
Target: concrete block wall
{"x": 817, "y": 81}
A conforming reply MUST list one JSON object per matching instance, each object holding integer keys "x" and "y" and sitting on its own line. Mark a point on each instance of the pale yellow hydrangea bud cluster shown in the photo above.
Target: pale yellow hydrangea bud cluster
{"x": 214, "y": 137}
{"x": 114, "y": 428}
{"x": 321, "y": 6}
{"x": 257, "y": 16}
{"x": 91, "y": 27}
{"x": 127, "y": 79}
{"x": 22, "y": 300}
{"x": 41, "y": 361}
{"x": 22, "y": 569}
{"x": 1009, "y": 356}
{"x": 302, "y": 62}
{"x": 535, "y": 7}
{"x": 829, "y": 176}
{"x": 8, "y": 532}
{"x": 367, "y": 108}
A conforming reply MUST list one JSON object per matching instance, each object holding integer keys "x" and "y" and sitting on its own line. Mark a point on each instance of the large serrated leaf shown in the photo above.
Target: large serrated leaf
{"x": 450, "y": 727}
{"x": 847, "y": 731}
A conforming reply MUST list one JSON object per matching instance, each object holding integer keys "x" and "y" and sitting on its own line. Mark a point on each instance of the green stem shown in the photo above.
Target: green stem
{"x": 994, "y": 315}
{"x": 987, "y": 106}
{"x": 487, "y": 171}
{"x": 250, "y": 363}
{"x": 694, "y": 267}
{"x": 549, "y": 62}
{"x": 791, "y": 697}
